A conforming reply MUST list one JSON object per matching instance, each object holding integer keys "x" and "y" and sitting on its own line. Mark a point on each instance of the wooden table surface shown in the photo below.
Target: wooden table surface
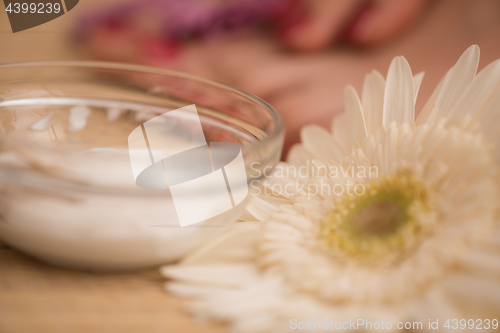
{"x": 36, "y": 298}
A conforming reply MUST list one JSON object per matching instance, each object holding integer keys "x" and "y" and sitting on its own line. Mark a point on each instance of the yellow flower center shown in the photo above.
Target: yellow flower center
{"x": 380, "y": 225}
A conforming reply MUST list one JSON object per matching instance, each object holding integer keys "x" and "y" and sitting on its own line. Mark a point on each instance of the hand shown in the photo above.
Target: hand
{"x": 316, "y": 24}
{"x": 304, "y": 87}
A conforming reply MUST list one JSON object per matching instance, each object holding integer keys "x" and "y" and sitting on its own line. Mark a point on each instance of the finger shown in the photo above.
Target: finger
{"x": 379, "y": 20}
{"x": 314, "y": 24}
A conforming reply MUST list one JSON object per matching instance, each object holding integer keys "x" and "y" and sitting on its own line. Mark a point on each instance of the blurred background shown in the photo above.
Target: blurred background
{"x": 296, "y": 54}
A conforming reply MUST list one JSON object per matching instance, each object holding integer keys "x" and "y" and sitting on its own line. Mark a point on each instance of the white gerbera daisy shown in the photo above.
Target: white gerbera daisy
{"x": 417, "y": 240}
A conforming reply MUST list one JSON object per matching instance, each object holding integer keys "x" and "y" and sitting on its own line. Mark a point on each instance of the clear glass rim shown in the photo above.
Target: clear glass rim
{"x": 279, "y": 124}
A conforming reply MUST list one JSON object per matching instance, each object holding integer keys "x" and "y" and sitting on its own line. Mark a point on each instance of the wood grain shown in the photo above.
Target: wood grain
{"x": 37, "y": 297}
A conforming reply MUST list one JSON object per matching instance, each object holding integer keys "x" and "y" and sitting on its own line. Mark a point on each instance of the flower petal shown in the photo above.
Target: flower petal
{"x": 478, "y": 92}
{"x": 489, "y": 122}
{"x": 482, "y": 261}
{"x": 399, "y": 93}
{"x": 299, "y": 155}
{"x": 479, "y": 293}
{"x": 321, "y": 144}
{"x": 194, "y": 290}
{"x": 340, "y": 131}
{"x": 229, "y": 275}
{"x": 429, "y": 111}
{"x": 457, "y": 81}
{"x": 417, "y": 82}
{"x": 260, "y": 209}
{"x": 373, "y": 101}
{"x": 356, "y": 127}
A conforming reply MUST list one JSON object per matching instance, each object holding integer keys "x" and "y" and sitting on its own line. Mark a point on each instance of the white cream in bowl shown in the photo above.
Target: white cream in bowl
{"x": 68, "y": 195}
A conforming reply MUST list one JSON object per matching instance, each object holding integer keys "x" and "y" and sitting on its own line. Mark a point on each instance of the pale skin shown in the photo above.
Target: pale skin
{"x": 303, "y": 75}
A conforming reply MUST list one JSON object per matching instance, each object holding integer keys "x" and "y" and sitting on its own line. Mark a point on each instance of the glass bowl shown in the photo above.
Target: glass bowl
{"x": 67, "y": 192}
